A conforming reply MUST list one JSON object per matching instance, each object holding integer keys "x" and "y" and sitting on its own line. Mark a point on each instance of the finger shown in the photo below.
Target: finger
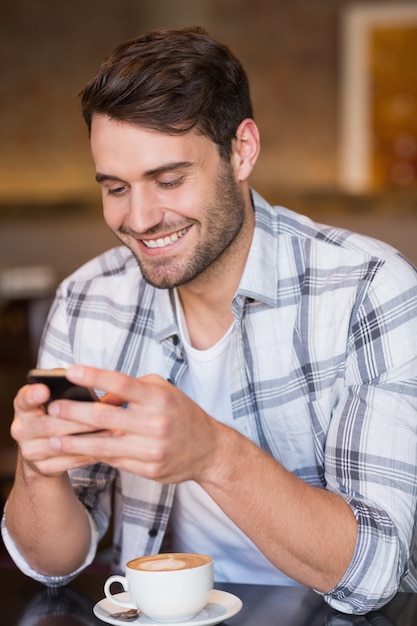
{"x": 87, "y": 416}
{"x": 31, "y": 396}
{"x": 45, "y": 426}
{"x": 56, "y": 465}
{"x": 29, "y": 409}
{"x": 39, "y": 455}
{"x": 125, "y": 388}
{"x": 107, "y": 447}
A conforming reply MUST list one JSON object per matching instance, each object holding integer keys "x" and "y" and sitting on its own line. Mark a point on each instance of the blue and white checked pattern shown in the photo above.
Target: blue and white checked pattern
{"x": 323, "y": 377}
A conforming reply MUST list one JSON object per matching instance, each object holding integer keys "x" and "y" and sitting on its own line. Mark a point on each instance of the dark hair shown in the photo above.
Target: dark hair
{"x": 172, "y": 81}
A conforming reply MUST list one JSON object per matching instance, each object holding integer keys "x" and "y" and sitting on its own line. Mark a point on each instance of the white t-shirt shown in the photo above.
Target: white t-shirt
{"x": 198, "y": 524}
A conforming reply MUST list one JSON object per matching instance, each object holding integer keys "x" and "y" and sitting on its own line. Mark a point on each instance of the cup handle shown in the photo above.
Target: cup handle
{"x": 124, "y": 582}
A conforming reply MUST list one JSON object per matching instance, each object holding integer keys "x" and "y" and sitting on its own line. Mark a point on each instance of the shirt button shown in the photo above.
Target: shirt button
{"x": 153, "y": 532}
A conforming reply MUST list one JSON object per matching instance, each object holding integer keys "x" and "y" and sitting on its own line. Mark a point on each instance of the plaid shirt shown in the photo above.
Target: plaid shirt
{"x": 323, "y": 377}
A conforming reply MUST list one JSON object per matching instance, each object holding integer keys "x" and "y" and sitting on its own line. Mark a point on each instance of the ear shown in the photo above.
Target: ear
{"x": 245, "y": 149}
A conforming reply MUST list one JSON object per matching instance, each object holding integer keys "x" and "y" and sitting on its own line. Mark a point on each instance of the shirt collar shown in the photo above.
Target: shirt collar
{"x": 260, "y": 276}
{"x": 165, "y": 323}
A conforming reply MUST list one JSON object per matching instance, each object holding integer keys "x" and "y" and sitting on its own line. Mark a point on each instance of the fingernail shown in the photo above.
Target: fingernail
{"x": 55, "y": 444}
{"x": 76, "y": 371}
{"x": 54, "y": 409}
{"x": 38, "y": 395}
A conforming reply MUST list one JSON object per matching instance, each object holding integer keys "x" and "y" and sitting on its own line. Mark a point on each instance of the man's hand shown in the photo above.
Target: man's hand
{"x": 33, "y": 427}
{"x": 158, "y": 433}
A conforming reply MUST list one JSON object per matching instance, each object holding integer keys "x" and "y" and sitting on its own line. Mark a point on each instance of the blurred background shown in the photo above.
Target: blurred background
{"x": 334, "y": 85}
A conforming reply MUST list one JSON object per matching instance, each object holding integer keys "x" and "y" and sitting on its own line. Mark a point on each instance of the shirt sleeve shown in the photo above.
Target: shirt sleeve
{"x": 371, "y": 448}
{"x": 92, "y": 484}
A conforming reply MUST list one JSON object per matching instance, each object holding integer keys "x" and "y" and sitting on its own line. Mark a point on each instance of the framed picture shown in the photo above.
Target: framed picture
{"x": 378, "y": 109}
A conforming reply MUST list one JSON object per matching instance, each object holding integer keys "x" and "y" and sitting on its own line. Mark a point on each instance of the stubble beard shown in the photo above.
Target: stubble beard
{"x": 225, "y": 218}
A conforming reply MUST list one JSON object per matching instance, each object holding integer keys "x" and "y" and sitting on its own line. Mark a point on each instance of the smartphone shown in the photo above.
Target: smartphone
{"x": 60, "y": 387}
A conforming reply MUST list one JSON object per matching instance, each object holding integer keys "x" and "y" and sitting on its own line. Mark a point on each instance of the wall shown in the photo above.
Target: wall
{"x": 48, "y": 50}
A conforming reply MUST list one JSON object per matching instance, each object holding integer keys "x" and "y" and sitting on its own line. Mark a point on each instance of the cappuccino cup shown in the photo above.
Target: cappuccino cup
{"x": 171, "y": 587}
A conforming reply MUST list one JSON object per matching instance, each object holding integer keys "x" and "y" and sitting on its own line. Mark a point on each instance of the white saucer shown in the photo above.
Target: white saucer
{"x": 221, "y": 606}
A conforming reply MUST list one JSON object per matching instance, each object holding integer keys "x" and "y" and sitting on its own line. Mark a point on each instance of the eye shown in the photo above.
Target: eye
{"x": 116, "y": 191}
{"x": 170, "y": 184}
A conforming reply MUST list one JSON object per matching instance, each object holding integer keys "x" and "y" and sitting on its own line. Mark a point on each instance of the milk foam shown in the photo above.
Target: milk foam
{"x": 163, "y": 564}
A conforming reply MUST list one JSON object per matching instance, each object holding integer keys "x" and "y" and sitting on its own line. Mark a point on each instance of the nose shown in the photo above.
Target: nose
{"x": 144, "y": 212}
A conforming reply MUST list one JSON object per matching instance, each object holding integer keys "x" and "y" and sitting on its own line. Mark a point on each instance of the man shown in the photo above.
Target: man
{"x": 260, "y": 369}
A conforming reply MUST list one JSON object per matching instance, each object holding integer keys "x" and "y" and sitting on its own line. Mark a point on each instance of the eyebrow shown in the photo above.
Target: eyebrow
{"x": 168, "y": 167}
{"x": 102, "y": 178}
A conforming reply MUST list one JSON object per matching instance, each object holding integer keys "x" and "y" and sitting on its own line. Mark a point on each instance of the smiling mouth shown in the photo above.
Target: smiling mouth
{"x": 161, "y": 242}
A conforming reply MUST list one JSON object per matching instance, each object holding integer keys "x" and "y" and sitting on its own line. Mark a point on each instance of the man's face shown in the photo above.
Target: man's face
{"x": 170, "y": 199}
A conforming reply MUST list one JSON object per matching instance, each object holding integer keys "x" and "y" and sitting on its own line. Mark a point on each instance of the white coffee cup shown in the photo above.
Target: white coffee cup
{"x": 170, "y": 587}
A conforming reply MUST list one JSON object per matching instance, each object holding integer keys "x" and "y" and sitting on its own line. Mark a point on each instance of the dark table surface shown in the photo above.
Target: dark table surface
{"x": 27, "y": 603}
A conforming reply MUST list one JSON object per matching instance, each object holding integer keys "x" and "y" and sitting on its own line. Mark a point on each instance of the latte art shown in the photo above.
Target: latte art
{"x": 169, "y": 562}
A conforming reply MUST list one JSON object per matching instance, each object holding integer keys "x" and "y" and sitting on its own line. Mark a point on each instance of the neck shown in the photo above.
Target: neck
{"x": 207, "y": 300}
{"x": 207, "y": 318}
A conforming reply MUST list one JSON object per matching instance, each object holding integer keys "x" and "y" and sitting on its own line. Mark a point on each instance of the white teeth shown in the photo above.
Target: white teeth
{"x": 164, "y": 241}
